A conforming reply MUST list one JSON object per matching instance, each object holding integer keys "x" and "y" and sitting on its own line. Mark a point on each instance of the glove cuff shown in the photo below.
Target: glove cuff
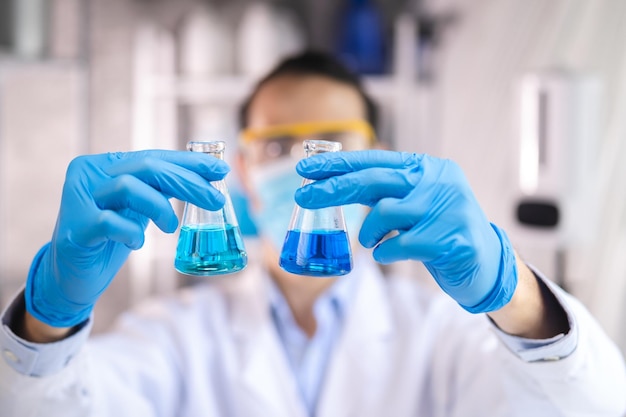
{"x": 506, "y": 282}
{"x": 38, "y": 305}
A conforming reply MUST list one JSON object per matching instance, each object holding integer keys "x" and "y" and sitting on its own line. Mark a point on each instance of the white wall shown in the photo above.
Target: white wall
{"x": 39, "y": 135}
{"x": 492, "y": 44}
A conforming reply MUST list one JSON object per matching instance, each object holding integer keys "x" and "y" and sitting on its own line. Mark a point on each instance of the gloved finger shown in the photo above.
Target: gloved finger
{"x": 387, "y": 215}
{"x": 128, "y": 192}
{"x": 206, "y": 166}
{"x": 331, "y": 164}
{"x": 363, "y": 187}
{"x": 409, "y": 244}
{"x": 172, "y": 180}
{"x": 110, "y": 225}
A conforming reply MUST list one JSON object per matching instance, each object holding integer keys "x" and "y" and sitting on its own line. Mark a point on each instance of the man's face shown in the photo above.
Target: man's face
{"x": 267, "y": 164}
{"x": 289, "y": 109}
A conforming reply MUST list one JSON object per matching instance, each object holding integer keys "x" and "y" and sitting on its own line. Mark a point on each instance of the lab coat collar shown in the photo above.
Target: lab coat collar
{"x": 264, "y": 384}
{"x": 265, "y": 375}
{"x": 369, "y": 313}
{"x": 340, "y": 294}
{"x": 364, "y": 350}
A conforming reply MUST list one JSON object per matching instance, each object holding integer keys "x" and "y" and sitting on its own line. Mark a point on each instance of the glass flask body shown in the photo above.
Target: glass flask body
{"x": 317, "y": 242}
{"x": 210, "y": 242}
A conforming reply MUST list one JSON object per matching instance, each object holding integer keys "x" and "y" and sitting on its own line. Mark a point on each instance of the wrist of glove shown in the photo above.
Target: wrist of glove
{"x": 44, "y": 298}
{"x": 489, "y": 292}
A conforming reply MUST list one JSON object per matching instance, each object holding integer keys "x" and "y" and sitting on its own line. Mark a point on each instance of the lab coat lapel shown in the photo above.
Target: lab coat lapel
{"x": 264, "y": 383}
{"x": 360, "y": 363}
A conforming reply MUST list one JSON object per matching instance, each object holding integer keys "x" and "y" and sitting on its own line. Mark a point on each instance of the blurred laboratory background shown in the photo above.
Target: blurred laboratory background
{"x": 528, "y": 96}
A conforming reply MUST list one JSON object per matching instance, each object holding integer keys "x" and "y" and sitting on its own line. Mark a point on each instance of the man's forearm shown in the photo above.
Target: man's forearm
{"x": 37, "y": 331}
{"x": 533, "y": 312}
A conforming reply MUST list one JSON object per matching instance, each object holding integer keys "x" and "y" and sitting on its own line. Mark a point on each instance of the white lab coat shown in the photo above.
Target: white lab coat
{"x": 405, "y": 351}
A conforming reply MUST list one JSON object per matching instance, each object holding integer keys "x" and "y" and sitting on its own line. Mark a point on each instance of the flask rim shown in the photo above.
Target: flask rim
{"x": 214, "y": 146}
{"x": 313, "y": 146}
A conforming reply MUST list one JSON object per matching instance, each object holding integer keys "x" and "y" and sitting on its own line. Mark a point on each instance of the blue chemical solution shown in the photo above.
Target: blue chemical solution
{"x": 318, "y": 253}
{"x": 210, "y": 250}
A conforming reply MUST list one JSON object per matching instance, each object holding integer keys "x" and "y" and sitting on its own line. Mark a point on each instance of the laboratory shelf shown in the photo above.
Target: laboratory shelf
{"x": 13, "y": 62}
{"x": 232, "y": 89}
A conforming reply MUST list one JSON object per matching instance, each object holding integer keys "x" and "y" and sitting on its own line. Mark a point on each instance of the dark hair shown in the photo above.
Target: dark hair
{"x": 314, "y": 63}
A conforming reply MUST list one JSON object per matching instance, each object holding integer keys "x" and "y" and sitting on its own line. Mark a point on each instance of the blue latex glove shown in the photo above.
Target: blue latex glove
{"x": 106, "y": 205}
{"x": 429, "y": 202}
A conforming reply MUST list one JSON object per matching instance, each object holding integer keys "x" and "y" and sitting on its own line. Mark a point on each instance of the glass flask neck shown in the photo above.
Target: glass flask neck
{"x": 314, "y": 147}
{"x": 213, "y": 148}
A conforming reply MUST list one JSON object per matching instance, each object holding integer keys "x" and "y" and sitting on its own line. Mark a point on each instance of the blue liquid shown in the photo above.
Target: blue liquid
{"x": 319, "y": 254}
{"x": 210, "y": 250}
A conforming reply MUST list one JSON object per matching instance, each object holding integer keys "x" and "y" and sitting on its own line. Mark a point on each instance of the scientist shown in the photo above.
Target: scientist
{"x": 499, "y": 340}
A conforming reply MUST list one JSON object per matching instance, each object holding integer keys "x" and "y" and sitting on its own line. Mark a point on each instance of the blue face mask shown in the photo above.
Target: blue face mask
{"x": 275, "y": 186}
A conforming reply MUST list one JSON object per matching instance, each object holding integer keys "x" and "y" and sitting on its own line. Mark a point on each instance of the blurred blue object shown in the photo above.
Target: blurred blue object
{"x": 361, "y": 38}
{"x": 241, "y": 205}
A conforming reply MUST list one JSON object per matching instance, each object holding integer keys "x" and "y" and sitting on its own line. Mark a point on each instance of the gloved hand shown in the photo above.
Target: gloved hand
{"x": 430, "y": 204}
{"x": 106, "y": 205}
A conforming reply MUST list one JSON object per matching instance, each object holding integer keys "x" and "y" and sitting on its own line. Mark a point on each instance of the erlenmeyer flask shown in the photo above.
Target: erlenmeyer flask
{"x": 210, "y": 242}
{"x": 317, "y": 242}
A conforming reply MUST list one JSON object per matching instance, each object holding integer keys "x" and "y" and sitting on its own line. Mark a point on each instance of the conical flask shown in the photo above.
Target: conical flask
{"x": 317, "y": 242}
{"x": 210, "y": 242}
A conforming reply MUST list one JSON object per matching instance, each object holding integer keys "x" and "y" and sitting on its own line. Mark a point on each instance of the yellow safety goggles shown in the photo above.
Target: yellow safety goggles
{"x": 266, "y": 144}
